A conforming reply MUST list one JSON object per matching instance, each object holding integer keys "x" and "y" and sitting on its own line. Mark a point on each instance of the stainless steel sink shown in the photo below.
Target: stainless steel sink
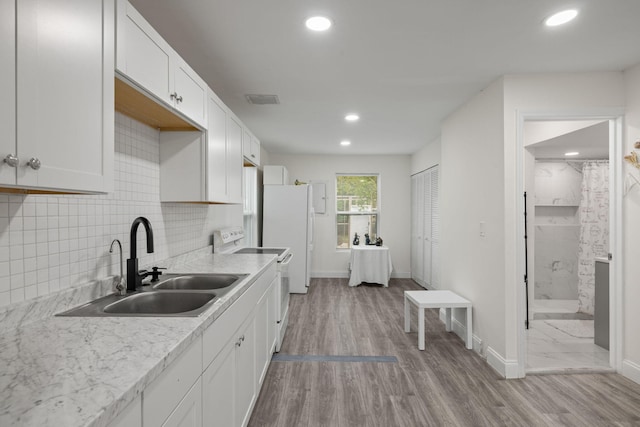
{"x": 176, "y": 295}
{"x": 200, "y": 282}
{"x": 160, "y": 303}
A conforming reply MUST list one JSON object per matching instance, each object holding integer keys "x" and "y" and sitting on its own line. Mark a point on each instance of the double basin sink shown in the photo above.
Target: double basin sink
{"x": 175, "y": 295}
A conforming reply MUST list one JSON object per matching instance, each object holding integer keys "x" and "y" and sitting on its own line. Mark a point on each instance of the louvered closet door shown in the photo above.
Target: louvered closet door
{"x": 426, "y": 218}
{"x": 435, "y": 228}
{"x": 417, "y": 227}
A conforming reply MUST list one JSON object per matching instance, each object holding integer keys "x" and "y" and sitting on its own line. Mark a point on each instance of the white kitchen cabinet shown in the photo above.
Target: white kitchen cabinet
{"x": 251, "y": 147}
{"x": 234, "y": 160}
{"x": 219, "y": 388}
{"x": 131, "y": 416}
{"x": 235, "y": 348}
{"x": 63, "y": 53}
{"x": 7, "y": 87}
{"x": 203, "y": 167}
{"x": 147, "y": 60}
{"x": 188, "y": 413}
{"x": 266, "y": 329}
{"x": 169, "y": 400}
{"x": 425, "y": 228}
{"x": 246, "y": 381}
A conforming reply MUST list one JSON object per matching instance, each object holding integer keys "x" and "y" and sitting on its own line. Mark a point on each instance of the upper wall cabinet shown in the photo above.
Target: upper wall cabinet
{"x": 250, "y": 148}
{"x": 147, "y": 60}
{"x": 203, "y": 168}
{"x": 58, "y": 134}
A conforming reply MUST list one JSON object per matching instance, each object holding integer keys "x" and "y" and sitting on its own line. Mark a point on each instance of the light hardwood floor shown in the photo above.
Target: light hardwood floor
{"x": 445, "y": 385}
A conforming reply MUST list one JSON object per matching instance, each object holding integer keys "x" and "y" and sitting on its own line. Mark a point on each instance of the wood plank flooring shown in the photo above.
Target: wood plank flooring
{"x": 445, "y": 385}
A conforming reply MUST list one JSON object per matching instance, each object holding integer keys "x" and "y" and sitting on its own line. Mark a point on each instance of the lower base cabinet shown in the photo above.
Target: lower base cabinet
{"x": 235, "y": 351}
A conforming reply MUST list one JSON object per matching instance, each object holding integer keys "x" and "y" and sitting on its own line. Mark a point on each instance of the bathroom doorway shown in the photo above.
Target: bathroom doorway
{"x": 567, "y": 178}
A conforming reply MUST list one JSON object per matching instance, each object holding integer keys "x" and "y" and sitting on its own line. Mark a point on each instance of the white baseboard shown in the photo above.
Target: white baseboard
{"x": 506, "y": 368}
{"x": 461, "y": 330}
{"x": 631, "y": 370}
{"x": 345, "y": 274}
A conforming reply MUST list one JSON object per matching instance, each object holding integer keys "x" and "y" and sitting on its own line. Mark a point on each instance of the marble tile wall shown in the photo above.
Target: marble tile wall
{"x": 49, "y": 243}
{"x": 557, "y": 230}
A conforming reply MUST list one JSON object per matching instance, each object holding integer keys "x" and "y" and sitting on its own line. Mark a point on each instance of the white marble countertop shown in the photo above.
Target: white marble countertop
{"x": 82, "y": 371}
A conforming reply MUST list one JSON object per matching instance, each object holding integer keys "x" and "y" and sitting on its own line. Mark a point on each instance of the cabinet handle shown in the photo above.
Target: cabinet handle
{"x": 253, "y": 155}
{"x": 238, "y": 343}
{"x": 174, "y": 95}
{"x": 242, "y": 338}
{"x": 12, "y": 160}
{"x": 178, "y": 98}
{"x": 34, "y": 163}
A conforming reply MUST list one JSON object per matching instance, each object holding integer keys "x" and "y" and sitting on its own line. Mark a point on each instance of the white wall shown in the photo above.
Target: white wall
{"x": 472, "y": 190}
{"x": 562, "y": 94}
{"x": 394, "y": 206}
{"x": 48, "y": 243}
{"x": 631, "y": 229}
{"x": 427, "y": 157}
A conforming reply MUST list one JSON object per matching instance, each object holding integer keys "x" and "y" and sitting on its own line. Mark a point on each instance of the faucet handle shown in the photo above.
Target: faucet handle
{"x": 155, "y": 273}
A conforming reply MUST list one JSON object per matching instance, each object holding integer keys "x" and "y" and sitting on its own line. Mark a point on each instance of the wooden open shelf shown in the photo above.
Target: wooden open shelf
{"x": 133, "y": 103}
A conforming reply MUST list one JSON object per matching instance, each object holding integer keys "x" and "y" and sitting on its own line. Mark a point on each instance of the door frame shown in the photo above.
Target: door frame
{"x": 615, "y": 117}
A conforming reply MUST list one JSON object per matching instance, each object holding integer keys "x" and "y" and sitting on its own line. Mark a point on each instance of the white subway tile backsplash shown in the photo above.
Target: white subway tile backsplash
{"x": 52, "y": 242}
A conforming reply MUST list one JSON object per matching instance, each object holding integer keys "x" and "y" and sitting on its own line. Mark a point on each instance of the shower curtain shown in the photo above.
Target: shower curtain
{"x": 594, "y": 229}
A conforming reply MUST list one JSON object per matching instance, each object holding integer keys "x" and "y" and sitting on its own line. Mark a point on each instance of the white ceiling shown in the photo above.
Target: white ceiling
{"x": 591, "y": 141}
{"x": 402, "y": 65}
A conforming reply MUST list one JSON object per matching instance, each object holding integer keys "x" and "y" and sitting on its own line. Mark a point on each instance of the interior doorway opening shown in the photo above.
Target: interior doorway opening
{"x": 572, "y": 225}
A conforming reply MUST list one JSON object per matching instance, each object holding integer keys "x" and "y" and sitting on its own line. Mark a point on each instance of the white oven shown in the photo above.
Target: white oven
{"x": 229, "y": 241}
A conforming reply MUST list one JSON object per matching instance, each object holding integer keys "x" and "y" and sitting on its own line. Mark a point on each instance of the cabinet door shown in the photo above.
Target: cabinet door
{"x": 219, "y": 388}
{"x": 216, "y": 151}
{"x": 188, "y": 413}
{"x": 190, "y": 92}
{"x": 263, "y": 335}
{"x": 8, "y": 89}
{"x": 255, "y": 151}
{"x": 246, "y": 143}
{"x": 274, "y": 300}
{"x": 234, "y": 161}
{"x": 246, "y": 373}
{"x": 142, "y": 55}
{"x": 65, "y": 114}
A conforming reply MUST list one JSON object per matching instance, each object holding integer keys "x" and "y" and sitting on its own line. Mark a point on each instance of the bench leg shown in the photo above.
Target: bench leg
{"x": 469, "y": 329}
{"x": 420, "y": 328}
{"x": 447, "y": 319}
{"x": 407, "y": 315}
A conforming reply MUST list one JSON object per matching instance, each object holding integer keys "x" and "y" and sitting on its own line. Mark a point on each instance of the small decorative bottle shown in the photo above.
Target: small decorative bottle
{"x": 356, "y": 240}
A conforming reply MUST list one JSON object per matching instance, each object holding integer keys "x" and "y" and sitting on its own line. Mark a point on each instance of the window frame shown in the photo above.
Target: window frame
{"x": 377, "y": 212}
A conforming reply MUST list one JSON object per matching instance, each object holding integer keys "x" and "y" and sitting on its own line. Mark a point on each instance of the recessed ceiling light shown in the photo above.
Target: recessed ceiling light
{"x": 561, "y": 17}
{"x": 318, "y": 23}
{"x": 345, "y": 143}
{"x": 571, "y": 153}
{"x": 352, "y": 117}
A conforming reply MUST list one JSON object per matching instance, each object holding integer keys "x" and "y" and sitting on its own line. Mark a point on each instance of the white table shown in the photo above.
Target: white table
{"x": 371, "y": 264}
{"x": 436, "y": 299}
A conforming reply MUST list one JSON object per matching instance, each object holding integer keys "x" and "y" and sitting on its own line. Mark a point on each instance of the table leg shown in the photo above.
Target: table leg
{"x": 469, "y": 329}
{"x": 448, "y": 319}
{"x": 407, "y": 315}
{"x": 420, "y": 328}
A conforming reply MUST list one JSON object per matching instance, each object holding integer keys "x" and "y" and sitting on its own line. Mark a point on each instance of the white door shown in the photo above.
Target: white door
{"x": 219, "y": 388}
{"x": 8, "y": 89}
{"x": 246, "y": 373}
{"x": 234, "y": 161}
{"x": 435, "y": 228}
{"x": 190, "y": 92}
{"x": 216, "y": 152}
{"x": 188, "y": 413}
{"x": 65, "y": 93}
{"x": 143, "y": 56}
{"x": 426, "y": 230}
{"x": 417, "y": 237}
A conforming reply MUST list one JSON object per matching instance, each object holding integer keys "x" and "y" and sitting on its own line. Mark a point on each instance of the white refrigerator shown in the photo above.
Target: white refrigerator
{"x": 287, "y": 221}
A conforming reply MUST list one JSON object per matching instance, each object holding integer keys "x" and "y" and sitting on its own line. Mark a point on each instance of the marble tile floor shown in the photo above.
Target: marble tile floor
{"x": 550, "y": 350}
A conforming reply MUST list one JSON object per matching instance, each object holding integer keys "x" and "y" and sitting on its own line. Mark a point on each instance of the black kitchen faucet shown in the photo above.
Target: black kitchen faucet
{"x": 134, "y": 277}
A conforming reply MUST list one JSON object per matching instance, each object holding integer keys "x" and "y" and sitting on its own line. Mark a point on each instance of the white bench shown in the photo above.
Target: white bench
{"x": 435, "y": 299}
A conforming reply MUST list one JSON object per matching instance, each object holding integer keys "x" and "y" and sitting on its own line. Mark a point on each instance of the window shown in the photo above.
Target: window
{"x": 357, "y": 208}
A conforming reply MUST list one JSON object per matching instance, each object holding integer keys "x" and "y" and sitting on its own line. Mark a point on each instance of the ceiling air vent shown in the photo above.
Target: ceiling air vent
{"x": 263, "y": 99}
